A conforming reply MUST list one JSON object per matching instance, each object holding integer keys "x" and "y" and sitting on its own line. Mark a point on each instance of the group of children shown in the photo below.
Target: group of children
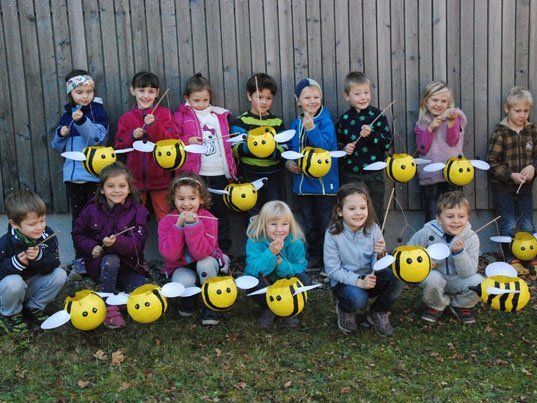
{"x": 340, "y": 228}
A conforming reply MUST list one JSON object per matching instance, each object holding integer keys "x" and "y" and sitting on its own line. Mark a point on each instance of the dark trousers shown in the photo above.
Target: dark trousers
{"x": 270, "y": 190}
{"x": 114, "y": 278}
{"x": 430, "y": 194}
{"x": 316, "y": 212}
{"x": 78, "y": 194}
{"x": 375, "y": 184}
{"x": 219, "y": 210}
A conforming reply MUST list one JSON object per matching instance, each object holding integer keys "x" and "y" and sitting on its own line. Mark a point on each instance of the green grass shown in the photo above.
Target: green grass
{"x": 178, "y": 359}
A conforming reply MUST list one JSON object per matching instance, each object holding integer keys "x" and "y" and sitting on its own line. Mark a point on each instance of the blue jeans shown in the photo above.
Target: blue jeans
{"x": 517, "y": 212}
{"x": 352, "y": 298}
{"x": 316, "y": 213}
{"x": 113, "y": 277}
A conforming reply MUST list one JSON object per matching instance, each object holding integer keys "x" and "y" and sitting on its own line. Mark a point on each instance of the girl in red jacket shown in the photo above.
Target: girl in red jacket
{"x": 144, "y": 123}
{"x": 201, "y": 123}
{"x": 187, "y": 240}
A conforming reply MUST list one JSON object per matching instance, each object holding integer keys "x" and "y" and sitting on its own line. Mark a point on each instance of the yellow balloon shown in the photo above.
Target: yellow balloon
{"x": 280, "y": 298}
{"x": 400, "y": 167}
{"x": 458, "y": 171}
{"x": 241, "y": 197}
{"x": 170, "y": 154}
{"x": 219, "y": 293}
{"x": 511, "y": 302}
{"x": 146, "y": 304}
{"x": 316, "y": 162}
{"x": 97, "y": 158}
{"x": 524, "y": 246}
{"x": 261, "y": 141}
{"x": 412, "y": 263}
{"x": 87, "y": 310}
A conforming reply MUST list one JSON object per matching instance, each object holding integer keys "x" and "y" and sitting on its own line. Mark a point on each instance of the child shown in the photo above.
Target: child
{"x": 362, "y": 143}
{"x": 115, "y": 260}
{"x": 274, "y": 250}
{"x": 260, "y": 90}
{"x": 513, "y": 157}
{"x": 30, "y": 276}
{"x": 352, "y": 245}
{"x": 144, "y": 123}
{"x": 188, "y": 240}
{"x": 201, "y": 123}
{"x": 314, "y": 128}
{"x": 439, "y": 136}
{"x": 447, "y": 284}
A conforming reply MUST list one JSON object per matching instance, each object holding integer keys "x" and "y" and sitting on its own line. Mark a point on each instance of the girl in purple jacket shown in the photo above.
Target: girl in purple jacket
{"x": 110, "y": 235}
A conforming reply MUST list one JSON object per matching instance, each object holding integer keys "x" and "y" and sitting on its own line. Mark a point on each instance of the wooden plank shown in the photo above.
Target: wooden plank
{"x": 521, "y": 44}
{"x": 453, "y": 61}
{"x": 532, "y": 76}
{"x": 197, "y": 10}
{"x": 342, "y": 49}
{"x": 232, "y": 90}
{"x": 257, "y": 36}
{"x": 272, "y": 51}
{"x": 94, "y": 46}
{"x": 216, "y": 73}
{"x": 313, "y": 17}
{"x": 384, "y": 54}
{"x": 356, "y": 34}
{"x": 425, "y": 43}
{"x": 184, "y": 42}
{"x": 244, "y": 52}
{"x": 300, "y": 40}
{"x": 49, "y": 76}
{"x": 17, "y": 90}
{"x": 170, "y": 54}
{"x": 125, "y": 53}
{"x": 508, "y": 50}
{"x": 328, "y": 52}
{"x": 285, "y": 29}
{"x": 77, "y": 34}
{"x": 154, "y": 41}
{"x": 439, "y": 40}
{"x": 139, "y": 35}
{"x": 371, "y": 48}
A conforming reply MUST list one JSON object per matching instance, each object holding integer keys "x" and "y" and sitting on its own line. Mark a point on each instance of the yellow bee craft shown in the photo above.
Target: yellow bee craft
{"x": 95, "y": 158}
{"x": 412, "y": 264}
{"x": 148, "y": 302}
{"x": 240, "y": 196}
{"x": 523, "y": 245}
{"x": 502, "y": 289}
{"x": 286, "y": 297}
{"x": 262, "y": 140}
{"x": 220, "y": 293}
{"x": 169, "y": 154}
{"x": 85, "y": 309}
{"x": 314, "y": 162}
{"x": 458, "y": 171}
{"x": 399, "y": 167}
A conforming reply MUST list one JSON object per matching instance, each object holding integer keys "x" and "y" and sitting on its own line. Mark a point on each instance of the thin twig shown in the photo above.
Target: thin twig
{"x": 519, "y": 186}
{"x": 160, "y": 100}
{"x": 200, "y": 216}
{"x": 47, "y": 238}
{"x": 125, "y": 230}
{"x": 387, "y": 210}
{"x": 374, "y": 120}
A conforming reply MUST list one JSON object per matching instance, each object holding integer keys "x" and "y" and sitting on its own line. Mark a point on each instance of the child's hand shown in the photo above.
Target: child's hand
{"x": 138, "y": 133}
{"x": 367, "y": 282}
{"x": 149, "y": 119}
{"x": 528, "y": 172}
{"x": 366, "y": 131}
{"x": 64, "y": 131}
{"x": 349, "y": 148}
{"x": 23, "y": 258}
{"x": 517, "y": 178}
{"x": 307, "y": 121}
{"x": 77, "y": 115}
{"x": 195, "y": 140}
{"x": 380, "y": 247}
{"x": 457, "y": 246}
{"x": 109, "y": 240}
{"x": 276, "y": 246}
{"x": 181, "y": 219}
{"x": 434, "y": 265}
{"x": 190, "y": 217}
{"x": 96, "y": 251}
{"x": 293, "y": 167}
{"x": 32, "y": 252}
{"x": 437, "y": 121}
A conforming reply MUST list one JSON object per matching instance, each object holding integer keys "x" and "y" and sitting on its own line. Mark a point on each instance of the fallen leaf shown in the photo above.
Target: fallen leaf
{"x": 82, "y": 384}
{"x": 241, "y": 385}
{"x": 526, "y": 372}
{"x": 100, "y": 355}
{"x": 345, "y": 390}
{"x": 287, "y": 384}
{"x": 124, "y": 386}
{"x": 117, "y": 357}
{"x": 218, "y": 352}
{"x": 443, "y": 383}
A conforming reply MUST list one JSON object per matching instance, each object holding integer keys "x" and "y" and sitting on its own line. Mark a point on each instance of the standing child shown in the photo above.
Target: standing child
{"x": 448, "y": 283}
{"x": 188, "y": 240}
{"x": 513, "y": 158}
{"x": 260, "y": 90}
{"x": 115, "y": 260}
{"x": 143, "y": 122}
{"x": 363, "y": 144}
{"x": 314, "y": 128}
{"x": 274, "y": 250}
{"x": 352, "y": 245}
{"x": 439, "y": 136}
{"x": 201, "y": 123}
{"x": 30, "y": 272}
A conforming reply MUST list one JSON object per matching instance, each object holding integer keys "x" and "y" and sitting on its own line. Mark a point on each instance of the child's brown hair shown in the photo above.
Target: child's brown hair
{"x": 21, "y": 202}
{"x": 195, "y": 182}
{"x": 451, "y": 200}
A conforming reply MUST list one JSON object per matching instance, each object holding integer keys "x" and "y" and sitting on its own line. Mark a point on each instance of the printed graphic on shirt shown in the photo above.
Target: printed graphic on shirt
{"x": 529, "y": 146}
{"x": 209, "y": 140}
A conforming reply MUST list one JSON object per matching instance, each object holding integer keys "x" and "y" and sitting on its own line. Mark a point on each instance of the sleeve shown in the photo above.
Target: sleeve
{"x": 332, "y": 262}
{"x": 9, "y": 264}
{"x": 201, "y": 241}
{"x": 453, "y": 133}
{"x": 125, "y": 128}
{"x": 498, "y": 167}
{"x": 132, "y": 242}
{"x": 424, "y": 138}
{"x": 381, "y": 134}
{"x": 323, "y": 135}
{"x": 294, "y": 261}
{"x": 58, "y": 142}
{"x": 171, "y": 239}
{"x": 82, "y": 240}
{"x": 94, "y": 132}
{"x": 342, "y": 138}
{"x": 164, "y": 126}
{"x": 48, "y": 258}
{"x": 466, "y": 260}
{"x": 260, "y": 261}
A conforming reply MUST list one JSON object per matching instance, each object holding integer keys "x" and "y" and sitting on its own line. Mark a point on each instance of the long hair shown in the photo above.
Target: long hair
{"x": 336, "y": 222}
{"x": 432, "y": 88}
{"x": 276, "y": 209}
{"x": 196, "y": 183}
{"x": 111, "y": 171}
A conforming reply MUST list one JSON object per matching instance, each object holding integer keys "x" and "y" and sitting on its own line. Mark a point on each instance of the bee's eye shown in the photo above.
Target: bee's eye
{"x": 409, "y": 260}
{"x": 403, "y": 166}
{"x": 320, "y": 161}
{"x": 461, "y": 170}
{"x": 147, "y": 303}
{"x": 228, "y": 290}
{"x": 263, "y": 142}
{"x": 85, "y": 313}
{"x": 94, "y": 310}
{"x": 278, "y": 298}
{"x": 419, "y": 259}
{"x": 168, "y": 153}
{"x": 219, "y": 292}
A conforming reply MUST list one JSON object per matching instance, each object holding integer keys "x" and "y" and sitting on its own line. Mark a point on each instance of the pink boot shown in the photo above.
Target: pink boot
{"x": 113, "y": 318}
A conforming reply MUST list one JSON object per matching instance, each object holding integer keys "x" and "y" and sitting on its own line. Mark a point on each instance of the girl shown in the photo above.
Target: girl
{"x": 84, "y": 123}
{"x": 144, "y": 122}
{"x": 201, "y": 123}
{"x": 275, "y": 249}
{"x": 353, "y": 243}
{"x": 115, "y": 260}
{"x": 188, "y": 240}
{"x": 439, "y": 136}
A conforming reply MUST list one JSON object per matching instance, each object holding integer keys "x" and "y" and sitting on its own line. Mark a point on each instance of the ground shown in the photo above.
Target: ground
{"x": 178, "y": 359}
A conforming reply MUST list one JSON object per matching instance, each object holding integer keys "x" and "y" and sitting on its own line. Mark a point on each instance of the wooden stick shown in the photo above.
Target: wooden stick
{"x": 387, "y": 209}
{"x": 519, "y": 186}
{"x": 374, "y": 120}
{"x": 47, "y": 238}
{"x": 257, "y": 91}
{"x": 160, "y": 100}
{"x": 125, "y": 230}
{"x": 483, "y": 226}
{"x": 200, "y": 216}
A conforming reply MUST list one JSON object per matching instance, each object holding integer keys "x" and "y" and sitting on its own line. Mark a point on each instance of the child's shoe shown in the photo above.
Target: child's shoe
{"x": 113, "y": 318}
{"x": 15, "y": 324}
{"x": 520, "y": 269}
{"x": 381, "y": 323}
{"x": 187, "y": 307}
{"x": 291, "y": 322}
{"x": 36, "y": 316}
{"x": 209, "y": 317}
{"x": 431, "y": 315}
{"x": 345, "y": 321}
{"x": 465, "y": 315}
{"x": 266, "y": 319}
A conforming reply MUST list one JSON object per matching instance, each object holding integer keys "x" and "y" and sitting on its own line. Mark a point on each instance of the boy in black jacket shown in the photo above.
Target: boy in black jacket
{"x": 30, "y": 276}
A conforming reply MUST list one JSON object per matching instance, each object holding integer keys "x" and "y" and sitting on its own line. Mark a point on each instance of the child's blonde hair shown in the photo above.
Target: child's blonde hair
{"x": 433, "y": 88}
{"x": 257, "y": 230}
{"x": 517, "y": 94}
{"x": 196, "y": 183}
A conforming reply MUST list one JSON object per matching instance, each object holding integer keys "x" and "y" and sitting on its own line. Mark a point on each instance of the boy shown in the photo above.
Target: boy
{"x": 513, "y": 157}
{"x": 260, "y": 95}
{"x": 448, "y": 282}
{"x": 362, "y": 143}
{"x": 29, "y": 271}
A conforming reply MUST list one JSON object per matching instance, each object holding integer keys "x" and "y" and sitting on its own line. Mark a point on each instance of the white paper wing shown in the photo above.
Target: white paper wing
{"x": 246, "y": 282}
{"x": 437, "y": 166}
{"x": 259, "y": 292}
{"x": 236, "y": 139}
{"x": 337, "y": 153}
{"x": 124, "y": 150}
{"x": 480, "y": 164}
{"x": 421, "y": 161}
{"x": 56, "y": 320}
{"x": 375, "y": 166}
{"x": 118, "y": 299}
{"x": 291, "y": 155}
{"x": 144, "y": 146}
{"x": 195, "y": 148}
{"x": 438, "y": 251}
{"x": 306, "y": 288}
{"x": 190, "y": 291}
{"x": 381, "y": 264}
{"x": 258, "y": 184}
{"x": 218, "y": 191}
{"x": 500, "y": 269}
{"x": 501, "y": 239}
{"x": 172, "y": 290}
{"x": 284, "y": 136}
{"x": 74, "y": 155}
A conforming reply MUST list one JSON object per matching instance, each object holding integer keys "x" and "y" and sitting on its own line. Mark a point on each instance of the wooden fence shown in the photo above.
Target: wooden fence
{"x": 481, "y": 47}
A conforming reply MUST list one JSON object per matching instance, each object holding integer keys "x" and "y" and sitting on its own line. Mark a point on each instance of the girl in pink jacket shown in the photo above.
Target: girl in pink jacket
{"x": 201, "y": 123}
{"x": 187, "y": 239}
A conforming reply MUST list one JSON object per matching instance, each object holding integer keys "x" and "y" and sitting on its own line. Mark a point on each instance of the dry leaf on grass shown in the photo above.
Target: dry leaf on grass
{"x": 82, "y": 384}
{"x": 526, "y": 372}
{"x": 218, "y": 352}
{"x": 117, "y": 357}
{"x": 287, "y": 384}
{"x": 345, "y": 390}
{"x": 241, "y": 385}
{"x": 101, "y": 355}
{"x": 124, "y": 386}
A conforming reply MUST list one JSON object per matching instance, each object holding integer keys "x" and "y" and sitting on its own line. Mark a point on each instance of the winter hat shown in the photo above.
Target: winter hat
{"x": 306, "y": 82}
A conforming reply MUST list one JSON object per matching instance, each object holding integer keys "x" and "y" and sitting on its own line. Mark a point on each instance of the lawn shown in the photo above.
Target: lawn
{"x": 178, "y": 359}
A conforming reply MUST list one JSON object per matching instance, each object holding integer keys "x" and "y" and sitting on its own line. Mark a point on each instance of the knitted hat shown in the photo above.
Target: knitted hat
{"x": 306, "y": 82}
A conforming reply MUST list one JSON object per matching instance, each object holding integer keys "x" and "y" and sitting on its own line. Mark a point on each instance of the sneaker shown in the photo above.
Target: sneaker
{"x": 183, "y": 313}
{"x": 79, "y": 267}
{"x": 37, "y": 316}
{"x": 431, "y": 315}
{"x": 381, "y": 323}
{"x": 291, "y": 322}
{"x": 465, "y": 315}
{"x": 15, "y": 324}
{"x": 209, "y": 317}
{"x": 266, "y": 319}
{"x": 520, "y": 269}
{"x": 345, "y": 321}
{"x": 113, "y": 318}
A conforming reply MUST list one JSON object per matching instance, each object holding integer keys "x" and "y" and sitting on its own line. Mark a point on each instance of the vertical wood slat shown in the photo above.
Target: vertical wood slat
{"x": 214, "y": 52}
{"x": 342, "y": 50}
{"x": 94, "y": 47}
{"x": 300, "y": 40}
{"x": 232, "y": 90}
{"x": 370, "y": 48}
{"x": 439, "y": 40}
{"x": 257, "y": 36}
{"x": 285, "y": 21}
{"x": 328, "y": 49}
{"x": 125, "y": 54}
{"x": 77, "y": 34}
{"x": 356, "y": 35}
{"x": 184, "y": 39}
{"x": 170, "y": 54}
{"x": 272, "y": 51}
{"x": 199, "y": 35}
{"x": 508, "y": 50}
{"x": 139, "y": 35}
{"x": 313, "y": 37}
{"x": 244, "y": 53}
{"x": 532, "y": 69}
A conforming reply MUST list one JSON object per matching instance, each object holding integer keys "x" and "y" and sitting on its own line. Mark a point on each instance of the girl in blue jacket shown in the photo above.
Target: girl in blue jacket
{"x": 274, "y": 250}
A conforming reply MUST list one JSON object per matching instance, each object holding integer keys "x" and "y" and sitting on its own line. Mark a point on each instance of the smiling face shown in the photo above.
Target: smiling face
{"x": 278, "y": 228}
{"x": 261, "y": 101}
{"x": 31, "y": 226}
{"x": 438, "y": 102}
{"x": 518, "y": 114}
{"x": 116, "y": 189}
{"x": 199, "y": 100}
{"x": 310, "y": 100}
{"x": 145, "y": 97}
{"x": 359, "y": 96}
{"x": 354, "y": 211}
{"x": 453, "y": 220}
{"x": 187, "y": 199}
{"x": 83, "y": 94}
